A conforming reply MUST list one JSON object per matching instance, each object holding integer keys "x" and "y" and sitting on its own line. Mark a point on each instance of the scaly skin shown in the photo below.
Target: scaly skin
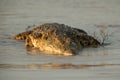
{"x": 60, "y": 39}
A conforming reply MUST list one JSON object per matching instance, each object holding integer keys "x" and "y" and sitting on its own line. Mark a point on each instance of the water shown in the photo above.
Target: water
{"x": 102, "y": 63}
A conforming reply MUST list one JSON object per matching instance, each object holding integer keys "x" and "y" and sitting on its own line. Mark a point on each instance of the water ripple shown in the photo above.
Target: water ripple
{"x": 53, "y": 66}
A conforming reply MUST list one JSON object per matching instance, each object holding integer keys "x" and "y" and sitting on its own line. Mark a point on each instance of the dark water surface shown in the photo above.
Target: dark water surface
{"x": 91, "y": 64}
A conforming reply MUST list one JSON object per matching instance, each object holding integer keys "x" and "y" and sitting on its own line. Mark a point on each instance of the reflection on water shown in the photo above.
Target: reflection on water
{"x": 53, "y": 66}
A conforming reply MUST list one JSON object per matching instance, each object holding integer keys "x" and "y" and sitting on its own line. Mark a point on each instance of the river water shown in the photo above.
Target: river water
{"x": 91, "y": 64}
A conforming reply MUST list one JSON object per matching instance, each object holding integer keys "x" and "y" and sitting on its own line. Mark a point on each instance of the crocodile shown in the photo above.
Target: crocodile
{"x": 57, "y": 39}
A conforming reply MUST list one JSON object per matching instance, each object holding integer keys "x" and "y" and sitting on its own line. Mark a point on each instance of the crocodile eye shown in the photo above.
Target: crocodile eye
{"x": 39, "y": 35}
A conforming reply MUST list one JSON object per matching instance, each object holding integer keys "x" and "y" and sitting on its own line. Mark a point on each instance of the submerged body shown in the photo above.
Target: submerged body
{"x": 60, "y": 39}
